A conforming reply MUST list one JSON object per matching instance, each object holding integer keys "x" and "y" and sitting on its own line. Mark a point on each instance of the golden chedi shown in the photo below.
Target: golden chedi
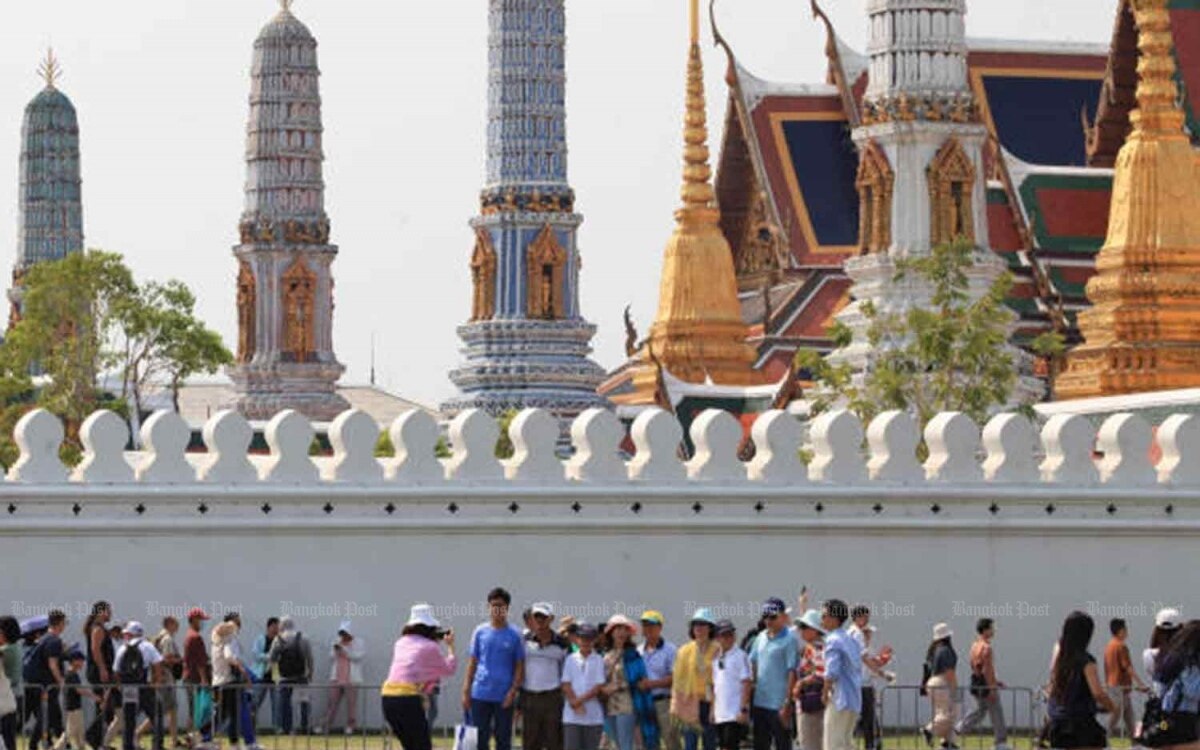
{"x": 1143, "y": 331}
{"x": 698, "y": 335}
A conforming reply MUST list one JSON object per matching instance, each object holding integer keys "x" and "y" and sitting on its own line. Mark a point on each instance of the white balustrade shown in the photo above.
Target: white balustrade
{"x": 104, "y": 436}
{"x": 657, "y": 438}
{"x": 1124, "y": 453}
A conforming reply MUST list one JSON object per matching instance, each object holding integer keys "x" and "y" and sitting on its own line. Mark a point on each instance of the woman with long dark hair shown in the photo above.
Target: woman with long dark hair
{"x": 941, "y": 666}
{"x": 1177, "y": 681}
{"x": 1076, "y": 692}
{"x": 418, "y": 665}
{"x": 100, "y": 652}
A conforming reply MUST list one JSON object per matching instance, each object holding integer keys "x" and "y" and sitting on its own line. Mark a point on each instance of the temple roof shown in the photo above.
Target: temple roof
{"x": 1047, "y": 214}
{"x": 50, "y": 98}
{"x": 285, "y": 25}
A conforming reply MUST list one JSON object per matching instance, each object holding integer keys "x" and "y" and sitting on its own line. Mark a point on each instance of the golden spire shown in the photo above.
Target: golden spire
{"x": 49, "y": 69}
{"x": 286, "y": 5}
{"x": 1143, "y": 331}
{"x": 698, "y": 334}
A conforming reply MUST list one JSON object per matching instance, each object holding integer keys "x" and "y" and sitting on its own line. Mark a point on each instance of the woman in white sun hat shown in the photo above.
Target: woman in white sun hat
{"x": 347, "y": 652}
{"x": 418, "y": 664}
{"x": 1167, "y": 623}
{"x": 941, "y": 665}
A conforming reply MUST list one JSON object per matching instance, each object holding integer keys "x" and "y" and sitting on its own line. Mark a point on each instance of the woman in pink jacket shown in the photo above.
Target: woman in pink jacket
{"x": 418, "y": 664}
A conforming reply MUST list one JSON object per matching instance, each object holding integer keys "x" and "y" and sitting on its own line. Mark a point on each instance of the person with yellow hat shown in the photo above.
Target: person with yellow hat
{"x": 659, "y": 655}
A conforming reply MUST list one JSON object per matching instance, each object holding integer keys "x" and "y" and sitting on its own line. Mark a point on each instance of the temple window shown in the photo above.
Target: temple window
{"x": 951, "y": 178}
{"x": 483, "y": 277}
{"x": 875, "y": 182}
{"x": 247, "y": 314}
{"x": 546, "y": 265}
{"x": 299, "y": 312}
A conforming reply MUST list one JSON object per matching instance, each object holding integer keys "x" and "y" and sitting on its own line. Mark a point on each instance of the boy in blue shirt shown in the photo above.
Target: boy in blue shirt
{"x": 495, "y": 673}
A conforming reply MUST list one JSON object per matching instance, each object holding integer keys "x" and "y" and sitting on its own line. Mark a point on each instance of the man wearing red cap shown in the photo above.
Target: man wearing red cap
{"x": 195, "y": 662}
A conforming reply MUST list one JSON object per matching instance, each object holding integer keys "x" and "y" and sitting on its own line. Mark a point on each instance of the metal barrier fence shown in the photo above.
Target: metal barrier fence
{"x": 273, "y": 716}
{"x": 905, "y": 715}
{"x": 300, "y": 717}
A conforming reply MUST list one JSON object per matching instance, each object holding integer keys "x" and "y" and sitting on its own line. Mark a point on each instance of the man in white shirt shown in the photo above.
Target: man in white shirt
{"x": 541, "y": 692}
{"x": 138, "y": 667}
{"x": 733, "y": 682}
{"x": 583, "y": 677}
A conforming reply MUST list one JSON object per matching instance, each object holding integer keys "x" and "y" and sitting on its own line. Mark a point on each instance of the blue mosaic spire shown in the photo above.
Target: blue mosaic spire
{"x": 51, "y": 208}
{"x": 526, "y": 344}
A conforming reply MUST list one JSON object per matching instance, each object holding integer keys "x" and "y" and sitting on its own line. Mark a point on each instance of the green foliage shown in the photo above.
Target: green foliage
{"x": 159, "y": 339}
{"x": 83, "y": 316}
{"x": 951, "y": 355}
{"x": 504, "y": 446}
{"x": 442, "y": 449}
{"x": 384, "y": 447}
{"x": 69, "y": 312}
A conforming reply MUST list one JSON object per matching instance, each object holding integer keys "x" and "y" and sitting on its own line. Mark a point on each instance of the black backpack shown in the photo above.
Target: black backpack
{"x": 132, "y": 667}
{"x": 291, "y": 659}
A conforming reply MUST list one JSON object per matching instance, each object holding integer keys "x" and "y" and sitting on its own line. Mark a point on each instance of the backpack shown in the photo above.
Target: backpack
{"x": 292, "y": 665}
{"x": 132, "y": 667}
{"x": 31, "y": 669}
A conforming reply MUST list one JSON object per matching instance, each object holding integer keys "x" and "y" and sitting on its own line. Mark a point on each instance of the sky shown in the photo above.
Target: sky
{"x": 162, "y": 86}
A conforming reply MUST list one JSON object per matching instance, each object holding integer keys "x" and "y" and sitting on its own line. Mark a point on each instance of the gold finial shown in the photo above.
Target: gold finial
{"x": 1158, "y": 111}
{"x": 697, "y": 186}
{"x": 698, "y": 334}
{"x": 1140, "y": 334}
{"x": 49, "y": 69}
{"x": 286, "y": 5}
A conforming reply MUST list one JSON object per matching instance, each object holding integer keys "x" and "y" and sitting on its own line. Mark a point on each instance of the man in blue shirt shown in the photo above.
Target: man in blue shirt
{"x": 843, "y": 677}
{"x": 495, "y": 673}
{"x": 774, "y": 655}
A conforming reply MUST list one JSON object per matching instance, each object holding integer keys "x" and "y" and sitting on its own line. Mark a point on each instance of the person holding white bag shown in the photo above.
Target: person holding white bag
{"x": 418, "y": 664}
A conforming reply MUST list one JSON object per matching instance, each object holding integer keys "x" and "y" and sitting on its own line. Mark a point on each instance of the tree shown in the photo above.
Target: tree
{"x": 85, "y": 315}
{"x": 159, "y": 339}
{"x": 951, "y": 355}
{"x": 68, "y": 315}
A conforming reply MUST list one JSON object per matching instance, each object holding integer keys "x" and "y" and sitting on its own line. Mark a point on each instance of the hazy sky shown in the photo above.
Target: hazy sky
{"x": 162, "y": 86}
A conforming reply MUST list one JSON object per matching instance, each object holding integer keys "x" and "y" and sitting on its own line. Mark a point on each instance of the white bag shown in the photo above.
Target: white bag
{"x": 466, "y": 737}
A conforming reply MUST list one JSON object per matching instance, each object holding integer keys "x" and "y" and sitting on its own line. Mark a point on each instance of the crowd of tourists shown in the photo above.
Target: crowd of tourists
{"x": 805, "y": 677}
{"x": 135, "y": 681}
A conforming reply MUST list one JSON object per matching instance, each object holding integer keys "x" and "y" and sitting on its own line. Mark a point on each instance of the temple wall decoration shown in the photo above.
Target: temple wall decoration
{"x": 247, "y": 301}
{"x": 763, "y": 247}
{"x": 952, "y": 179}
{"x": 875, "y": 183}
{"x": 299, "y": 312}
{"x": 483, "y": 277}
{"x": 545, "y": 276}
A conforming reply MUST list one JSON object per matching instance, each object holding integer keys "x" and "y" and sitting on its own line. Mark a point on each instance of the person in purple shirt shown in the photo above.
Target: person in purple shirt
{"x": 495, "y": 673}
{"x": 843, "y": 677}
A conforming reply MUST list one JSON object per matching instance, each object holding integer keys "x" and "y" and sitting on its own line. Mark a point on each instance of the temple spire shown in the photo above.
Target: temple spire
{"x": 50, "y": 70}
{"x": 1158, "y": 114}
{"x": 1143, "y": 330}
{"x": 698, "y": 334}
{"x": 697, "y": 174}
